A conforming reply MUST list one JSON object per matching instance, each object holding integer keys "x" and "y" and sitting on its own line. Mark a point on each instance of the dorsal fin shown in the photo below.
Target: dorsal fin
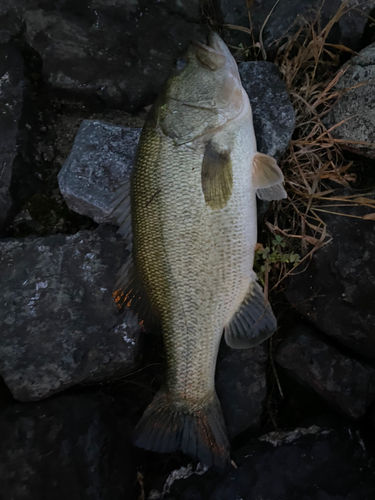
{"x": 217, "y": 176}
{"x": 252, "y": 323}
{"x": 268, "y": 178}
{"x": 121, "y": 209}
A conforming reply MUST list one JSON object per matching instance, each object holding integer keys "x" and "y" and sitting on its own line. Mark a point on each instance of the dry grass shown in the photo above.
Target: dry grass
{"x": 314, "y": 165}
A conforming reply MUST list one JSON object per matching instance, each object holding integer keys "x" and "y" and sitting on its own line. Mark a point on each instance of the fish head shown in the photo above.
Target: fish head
{"x": 202, "y": 94}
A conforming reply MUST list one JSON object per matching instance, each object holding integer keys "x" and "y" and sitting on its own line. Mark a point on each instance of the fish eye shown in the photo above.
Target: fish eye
{"x": 180, "y": 64}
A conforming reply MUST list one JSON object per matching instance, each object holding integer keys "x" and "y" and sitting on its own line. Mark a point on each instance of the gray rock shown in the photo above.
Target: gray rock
{"x": 59, "y": 325}
{"x": 119, "y": 52}
{"x": 308, "y": 463}
{"x": 273, "y": 113}
{"x": 241, "y": 384}
{"x": 357, "y": 106}
{"x": 345, "y": 383}
{"x": 66, "y": 447}
{"x": 102, "y": 158}
{"x": 287, "y": 16}
{"x": 11, "y": 102}
{"x": 336, "y": 291}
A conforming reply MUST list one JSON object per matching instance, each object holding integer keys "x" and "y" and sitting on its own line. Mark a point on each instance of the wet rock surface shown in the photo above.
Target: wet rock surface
{"x": 345, "y": 383}
{"x": 309, "y": 463}
{"x": 12, "y": 84}
{"x": 59, "y": 323}
{"x": 336, "y": 292}
{"x": 273, "y": 113}
{"x": 356, "y": 108}
{"x": 67, "y": 447}
{"x": 102, "y": 158}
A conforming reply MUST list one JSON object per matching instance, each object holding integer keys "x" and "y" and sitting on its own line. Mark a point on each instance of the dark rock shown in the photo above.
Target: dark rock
{"x": 11, "y": 102}
{"x": 356, "y": 108}
{"x": 102, "y": 158}
{"x": 288, "y": 16}
{"x": 119, "y": 52}
{"x": 346, "y": 384}
{"x": 241, "y": 384}
{"x": 273, "y": 113}
{"x": 59, "y": 323}
{"x": 67, "y": 447}
{"x": 336, "y": 292}
{"x": 306, "y": 464}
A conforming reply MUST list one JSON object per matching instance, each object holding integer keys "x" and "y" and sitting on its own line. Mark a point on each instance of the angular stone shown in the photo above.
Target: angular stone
{"x": 345, "y": 383}
{"x": 336, "y": 291}
{"x": 273, "y": 113}
{"x": 304, "y": 464}
{"x": 66, "y": 447}
{"x": 288, "y": 16}
{"x": 102, "y": 158}
{"x": 119, "y": 52}
{"x": 59, "y": 325}
{"x": 356, "y": 108}
{"x": 241, "y": 384}
{"x": 11, "y": 102}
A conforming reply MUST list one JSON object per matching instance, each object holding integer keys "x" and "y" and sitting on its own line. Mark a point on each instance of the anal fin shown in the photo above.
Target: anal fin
{"x": 252, "y": 323}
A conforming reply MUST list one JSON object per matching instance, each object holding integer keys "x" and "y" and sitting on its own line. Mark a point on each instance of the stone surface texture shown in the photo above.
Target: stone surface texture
{"x": 287, "y": 16}
{"x": 11, "y": 102}
{"x": 336, "y": 292}
{"x": 118, "y": 52}
{"x": 356, "y": 108}
{"x": 273, "y": 113}
{"x": 67, "y": 447}
{"x": 310, "y": 463}
{"x": 102, "y": 158}
{"x": 241, "y": 384}
{"x": 59, "y": 325}
{"x": 346, "y": 384}
{"x": 103, "y": 154}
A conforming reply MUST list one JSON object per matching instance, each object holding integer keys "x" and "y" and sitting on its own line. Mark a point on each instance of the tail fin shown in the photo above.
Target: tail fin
{"x": 168, "y": 425}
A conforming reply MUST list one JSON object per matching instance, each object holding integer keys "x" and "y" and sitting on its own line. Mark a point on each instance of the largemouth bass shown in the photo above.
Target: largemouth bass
{"x": 194, "y": 231}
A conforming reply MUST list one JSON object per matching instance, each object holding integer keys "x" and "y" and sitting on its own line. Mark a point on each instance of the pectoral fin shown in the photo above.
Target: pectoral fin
{"x": 268, "y": 178}
{"x": 217, "y": 176}
{"x": 252, "y": 323}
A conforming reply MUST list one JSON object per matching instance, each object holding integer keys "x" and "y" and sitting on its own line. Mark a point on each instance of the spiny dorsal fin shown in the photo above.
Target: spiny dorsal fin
{"x": 121, "y": 209}
{"x": 217, "y": 176}
{"x": 268, "y": 178}
{"x": 130, "y": 292}
{"x": 252, "y": 323}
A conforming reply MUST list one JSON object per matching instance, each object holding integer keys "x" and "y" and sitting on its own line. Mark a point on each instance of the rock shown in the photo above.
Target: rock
{"x": 117, "y": 52}
{"x": 59, "y": 323}
{"x": 67, "y": 447}
{"x": 345, "y": 383}
{"x": 102, "y": 158}
{"x": 287, "y": 17}
{"x": 336, "y": 291}
{"x": 357, "y": 106}
{"x": 273, "y": 113}
{"x": 241, "y": 384}
{"x": 11, "y": 102}
{"x": 103, "y": 154}
{"x": 310, "y": 463}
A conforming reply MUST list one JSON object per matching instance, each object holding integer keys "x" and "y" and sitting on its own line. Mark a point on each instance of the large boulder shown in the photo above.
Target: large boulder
{"x": 309, "y": 463}
{"x": 118, "y": 52}
{"x": 11, "y": 103}
{"x": 345, "y": 383}
{"x": 336, "y": 291}
{"x": 66, "y": 447}
{"x": 59, "y": 325}
{"x": 356, "y": 108}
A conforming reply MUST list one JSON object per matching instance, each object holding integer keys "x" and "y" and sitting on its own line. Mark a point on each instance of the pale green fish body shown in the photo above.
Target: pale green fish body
{"x": 193, "y": 203}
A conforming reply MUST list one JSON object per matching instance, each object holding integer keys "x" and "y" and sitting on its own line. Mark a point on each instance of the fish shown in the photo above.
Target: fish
{"x": 190, "y": 213}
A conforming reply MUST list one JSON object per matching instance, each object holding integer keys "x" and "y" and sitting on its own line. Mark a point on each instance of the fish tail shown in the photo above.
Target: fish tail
{"x": 168, "y": 425}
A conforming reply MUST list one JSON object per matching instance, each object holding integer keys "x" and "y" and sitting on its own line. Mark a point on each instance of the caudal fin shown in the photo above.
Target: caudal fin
{"x": 168, "y": 425}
